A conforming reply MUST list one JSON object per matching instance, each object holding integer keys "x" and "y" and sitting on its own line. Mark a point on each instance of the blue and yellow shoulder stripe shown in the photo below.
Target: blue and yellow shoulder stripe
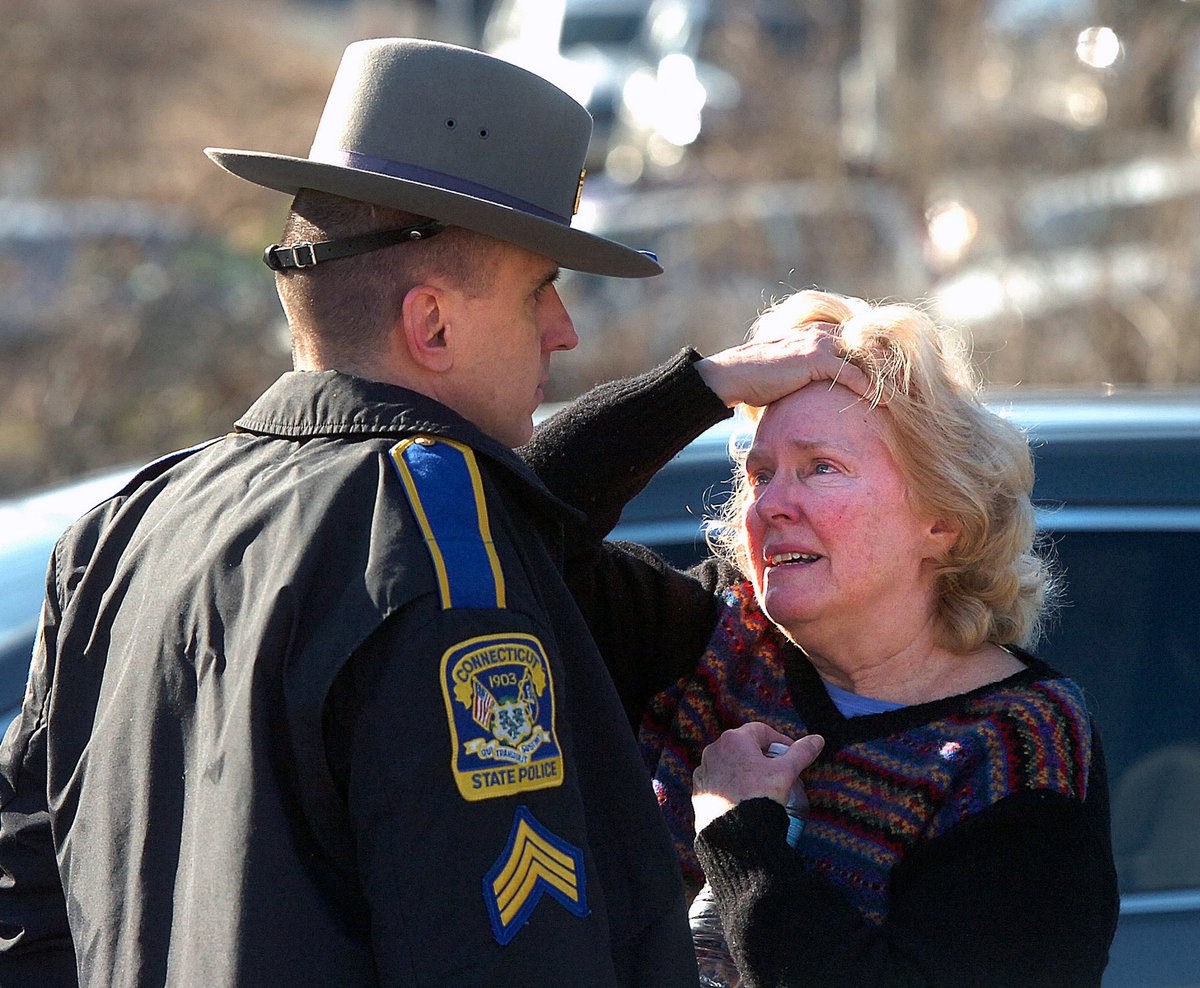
{"x": 445, "y": 490}
{"x": 498, "y": 687}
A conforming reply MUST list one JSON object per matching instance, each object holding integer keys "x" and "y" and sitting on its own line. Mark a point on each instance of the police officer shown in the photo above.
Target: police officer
{"x": 311, "y": 704}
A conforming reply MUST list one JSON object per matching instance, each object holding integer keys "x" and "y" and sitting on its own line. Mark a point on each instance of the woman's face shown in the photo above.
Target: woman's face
{"x": 834, "y": 545}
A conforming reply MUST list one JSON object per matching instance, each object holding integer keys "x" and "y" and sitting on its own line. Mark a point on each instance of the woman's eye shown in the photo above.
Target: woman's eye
{"x": 759, "y": 478}
{"x": 824, "y": 468}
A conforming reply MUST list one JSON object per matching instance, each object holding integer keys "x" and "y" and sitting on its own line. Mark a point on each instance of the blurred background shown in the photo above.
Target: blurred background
{"x": 1025, "y": 168}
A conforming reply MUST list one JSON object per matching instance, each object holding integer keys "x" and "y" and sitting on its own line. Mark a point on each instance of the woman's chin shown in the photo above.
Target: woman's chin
{"x": 786, "y": 611}
{"x": 786, "y": 596}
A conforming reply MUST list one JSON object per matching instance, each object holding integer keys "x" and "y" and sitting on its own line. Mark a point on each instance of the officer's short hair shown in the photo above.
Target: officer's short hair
{"x": 348, "y": 305}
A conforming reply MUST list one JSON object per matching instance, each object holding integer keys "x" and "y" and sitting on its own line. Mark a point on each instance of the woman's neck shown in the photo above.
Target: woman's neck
{"x": 914, "y": 671}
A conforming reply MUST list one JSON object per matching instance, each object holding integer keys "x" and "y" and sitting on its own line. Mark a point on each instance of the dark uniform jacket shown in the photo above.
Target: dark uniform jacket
{"x": 312, "y": 706}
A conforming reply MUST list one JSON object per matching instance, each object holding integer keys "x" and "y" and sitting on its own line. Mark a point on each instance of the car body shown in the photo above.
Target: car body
{"x": 29, "y": 526}
{"x": 1118, "y": 497}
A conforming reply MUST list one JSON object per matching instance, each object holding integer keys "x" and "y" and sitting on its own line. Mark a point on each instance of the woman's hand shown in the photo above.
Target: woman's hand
{"x": 736, "y": 767}
{"x": 762, "y": 371}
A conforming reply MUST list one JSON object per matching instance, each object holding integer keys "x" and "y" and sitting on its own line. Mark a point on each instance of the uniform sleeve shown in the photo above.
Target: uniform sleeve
{"x": 444, "y": 738}
{"x": 1023, "y": 893}
{"x": 35, "y": 942}
{"x": 650, "y": 621}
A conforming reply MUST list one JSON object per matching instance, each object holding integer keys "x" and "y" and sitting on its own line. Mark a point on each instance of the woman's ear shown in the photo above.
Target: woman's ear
{"x": 423, "y": 320}
{"x": 945, "y": 534}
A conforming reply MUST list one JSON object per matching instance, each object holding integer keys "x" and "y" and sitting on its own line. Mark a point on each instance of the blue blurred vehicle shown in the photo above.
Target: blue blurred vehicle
{"x": 29, "y": 527}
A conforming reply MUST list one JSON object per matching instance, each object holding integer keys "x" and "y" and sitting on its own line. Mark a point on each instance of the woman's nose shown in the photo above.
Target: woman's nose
{"x": 776, "y": 499}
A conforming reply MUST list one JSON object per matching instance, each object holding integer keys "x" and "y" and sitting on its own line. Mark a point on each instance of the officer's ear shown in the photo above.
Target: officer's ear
{"x": 423, "y": 322}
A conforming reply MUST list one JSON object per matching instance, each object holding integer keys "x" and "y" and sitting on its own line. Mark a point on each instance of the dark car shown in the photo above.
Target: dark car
{"x": 1118, "y": 492}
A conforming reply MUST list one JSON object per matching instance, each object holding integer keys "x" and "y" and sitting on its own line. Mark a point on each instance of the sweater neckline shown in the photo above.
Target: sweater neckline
{"x": 816, "y": 708}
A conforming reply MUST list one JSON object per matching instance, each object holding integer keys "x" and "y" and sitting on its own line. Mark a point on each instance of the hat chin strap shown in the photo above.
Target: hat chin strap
{"x": 307, "y": 255}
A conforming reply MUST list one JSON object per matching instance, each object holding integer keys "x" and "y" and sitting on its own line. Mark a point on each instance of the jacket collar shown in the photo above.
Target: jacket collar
{"x": 307, "y": 404}
{"x": 302, "y": 404}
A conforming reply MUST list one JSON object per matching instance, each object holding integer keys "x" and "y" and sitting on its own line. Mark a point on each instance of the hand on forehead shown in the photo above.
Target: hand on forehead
{"x": 770, "y": 366}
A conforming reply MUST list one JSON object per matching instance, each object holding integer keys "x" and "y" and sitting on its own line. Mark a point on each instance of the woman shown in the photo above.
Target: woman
{"x": 877, "y": 587}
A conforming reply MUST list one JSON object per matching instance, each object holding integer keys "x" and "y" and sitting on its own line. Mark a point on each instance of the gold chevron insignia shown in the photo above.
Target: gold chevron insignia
{"x": 534, "y": 863}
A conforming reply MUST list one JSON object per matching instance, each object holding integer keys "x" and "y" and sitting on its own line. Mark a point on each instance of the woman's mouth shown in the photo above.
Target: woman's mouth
{"x": 783, "y": 558}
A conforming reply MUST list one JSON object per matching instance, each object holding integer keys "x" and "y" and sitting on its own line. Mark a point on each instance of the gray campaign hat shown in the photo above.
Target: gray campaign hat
{"x": 455, "y": 135}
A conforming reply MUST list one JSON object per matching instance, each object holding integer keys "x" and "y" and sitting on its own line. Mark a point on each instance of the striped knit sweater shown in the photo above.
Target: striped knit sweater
{"x": 888, "y": 782}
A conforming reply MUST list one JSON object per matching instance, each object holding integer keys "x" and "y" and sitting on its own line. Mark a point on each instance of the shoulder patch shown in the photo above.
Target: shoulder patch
{"x": 442, "y": 482}
{"x": 500, "y": 703}
{"x": 535, "y": 862}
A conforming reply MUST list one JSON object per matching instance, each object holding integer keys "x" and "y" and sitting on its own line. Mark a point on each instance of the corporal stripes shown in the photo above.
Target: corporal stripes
{"x": 536, "y": 862}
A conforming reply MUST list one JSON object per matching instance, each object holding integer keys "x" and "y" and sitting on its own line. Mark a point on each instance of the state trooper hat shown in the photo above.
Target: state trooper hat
{"x": 455, "y": 135}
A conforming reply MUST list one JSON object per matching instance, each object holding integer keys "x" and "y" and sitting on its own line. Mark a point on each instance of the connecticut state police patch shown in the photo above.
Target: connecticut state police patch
{"x": 500, "y": 702}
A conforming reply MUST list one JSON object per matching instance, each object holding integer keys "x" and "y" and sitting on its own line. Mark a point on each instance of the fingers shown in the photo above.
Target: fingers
{"x": 756, "y": 735}
{"x": 802, "y": 753}
{"x": 734, "y": 768}
{"x": 760, "y": 734}
{"x": 764, "y": 370}
{"x": 736, "y": 765}
{"x": 853, "y": 377}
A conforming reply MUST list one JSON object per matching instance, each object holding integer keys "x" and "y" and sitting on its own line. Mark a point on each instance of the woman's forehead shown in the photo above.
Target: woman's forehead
{"x": 820, "y": 407}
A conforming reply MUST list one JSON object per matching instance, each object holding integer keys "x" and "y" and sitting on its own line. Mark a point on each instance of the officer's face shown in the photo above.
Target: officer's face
{"x": 507, "y": 333}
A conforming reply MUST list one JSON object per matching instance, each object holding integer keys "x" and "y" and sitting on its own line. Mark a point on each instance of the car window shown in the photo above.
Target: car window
{"x": 1129, "y": 633}
{"x": 29, "y": 526}
{"x": 600, "y": 27}
{"x": 22, "y": 586}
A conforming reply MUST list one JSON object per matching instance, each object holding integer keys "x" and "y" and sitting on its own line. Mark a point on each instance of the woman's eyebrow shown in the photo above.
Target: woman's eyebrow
{"x": 757, "y": 454}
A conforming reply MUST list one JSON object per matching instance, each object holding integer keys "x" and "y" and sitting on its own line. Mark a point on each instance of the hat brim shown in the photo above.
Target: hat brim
{"x": 574, "y": 249}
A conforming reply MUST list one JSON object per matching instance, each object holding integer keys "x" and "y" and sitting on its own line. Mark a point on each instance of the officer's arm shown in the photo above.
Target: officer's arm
{"x": 650, "y": 621}
{"x": 602, "y": 449}
{"x": 446, "y": 740}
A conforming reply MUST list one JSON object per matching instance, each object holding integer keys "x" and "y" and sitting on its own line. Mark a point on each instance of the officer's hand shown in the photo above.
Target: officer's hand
{"x": 763, "y": 370}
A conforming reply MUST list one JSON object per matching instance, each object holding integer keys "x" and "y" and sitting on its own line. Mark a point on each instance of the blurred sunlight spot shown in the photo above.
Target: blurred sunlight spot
{"x": 1087, "y": 106}
{"x": 1098, "y": 47}
{"x": 973, "y": 296}
{"x": 668, "y": 102}
{"x": 681, "y": 99}
{"x": 624, "y": 164}
{"x": 952, "y": 228}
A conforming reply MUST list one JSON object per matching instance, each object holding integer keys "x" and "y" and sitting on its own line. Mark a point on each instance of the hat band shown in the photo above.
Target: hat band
{"x": 439, "y": 180}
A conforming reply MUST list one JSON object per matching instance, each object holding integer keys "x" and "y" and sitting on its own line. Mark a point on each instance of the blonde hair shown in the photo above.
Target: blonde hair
{"x": 961, "y": 461}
